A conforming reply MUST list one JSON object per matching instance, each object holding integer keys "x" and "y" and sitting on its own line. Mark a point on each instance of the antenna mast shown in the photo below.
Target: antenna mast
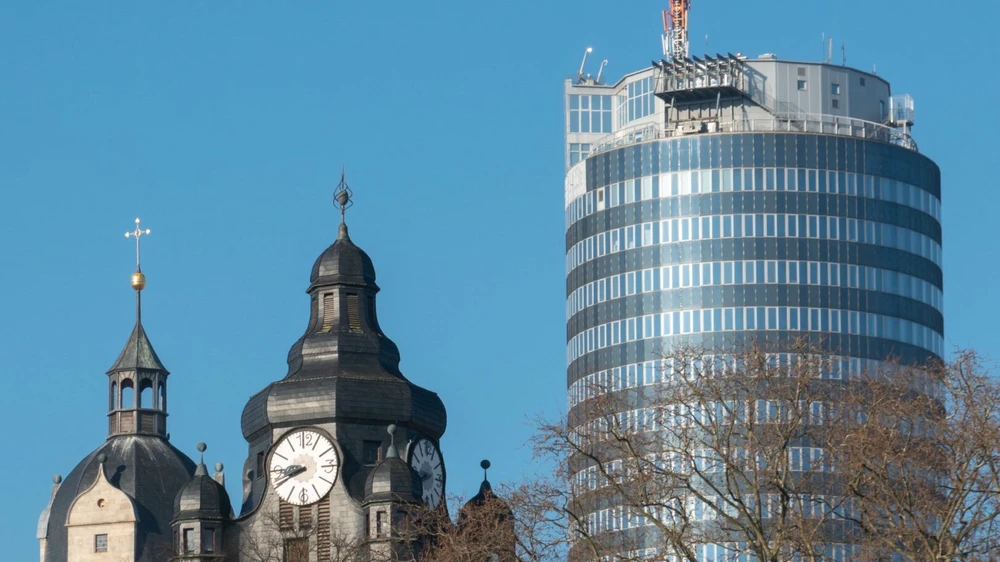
{"x": 675, "y": 30}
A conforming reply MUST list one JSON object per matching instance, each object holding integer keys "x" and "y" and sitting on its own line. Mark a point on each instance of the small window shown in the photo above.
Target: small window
{"x": 802, "y": 85}
{"x": 188, "y": 540}
{"x": 371, "y": 452}
{"x": 352, "y": 312}
{"x": 380, "y": 526}
{"x": 862, "y": 80}
{"x": 208, "y": 540}
{"x": 836, "y": 103}
{"x": 329, "y": 311}
{"x": 835, "y": 89}
{"x": 101, "y": 543}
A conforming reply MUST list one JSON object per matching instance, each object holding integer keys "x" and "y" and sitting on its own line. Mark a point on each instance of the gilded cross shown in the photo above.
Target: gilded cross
{"x": 137, "y": 234}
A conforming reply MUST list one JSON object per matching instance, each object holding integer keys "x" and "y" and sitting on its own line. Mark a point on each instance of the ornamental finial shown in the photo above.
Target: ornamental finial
{"x": 343, "y": 197}
{"x": 138, "y": 279}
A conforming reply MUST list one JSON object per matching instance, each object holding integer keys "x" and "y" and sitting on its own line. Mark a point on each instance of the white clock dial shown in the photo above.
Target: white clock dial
{"x": 425, "y": 458}
{"x": 303, "y": 466}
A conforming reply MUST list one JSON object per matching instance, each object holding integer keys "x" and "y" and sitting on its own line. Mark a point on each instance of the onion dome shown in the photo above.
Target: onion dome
{"x": 393, "y": 480}
{"x": 344, "y": 362}
{"x": 342, "y": 263}
{"x": 202, "y": 498}
{"x": 486, "y": 499}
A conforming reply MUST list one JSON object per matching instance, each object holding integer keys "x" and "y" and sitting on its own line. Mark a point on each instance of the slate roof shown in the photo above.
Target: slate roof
{"x": 147, "y": 468}
{"x": 342, "y": 263}
{"x": 341, "y": 372}
{"x": 138, "y": 353}
{"x": 202, "y": 498}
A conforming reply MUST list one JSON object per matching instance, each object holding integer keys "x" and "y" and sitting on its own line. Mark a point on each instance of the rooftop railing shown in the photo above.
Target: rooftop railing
{"x": 818, "y": 124}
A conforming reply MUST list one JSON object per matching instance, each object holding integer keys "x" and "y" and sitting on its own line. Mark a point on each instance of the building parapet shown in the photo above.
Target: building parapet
{"x": 817, "y": 124}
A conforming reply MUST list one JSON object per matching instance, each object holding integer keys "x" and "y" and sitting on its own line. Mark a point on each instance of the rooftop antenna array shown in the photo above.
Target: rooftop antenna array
{"x": 675, "y": 30}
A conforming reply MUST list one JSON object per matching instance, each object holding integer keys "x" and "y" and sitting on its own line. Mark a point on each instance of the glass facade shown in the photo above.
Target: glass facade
{"x": 699, "y": 240}
{"x": 712, "y": 239}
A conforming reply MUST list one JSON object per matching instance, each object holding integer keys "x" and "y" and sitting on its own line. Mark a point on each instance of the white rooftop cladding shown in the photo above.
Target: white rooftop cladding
{"x": 731, "y": 93}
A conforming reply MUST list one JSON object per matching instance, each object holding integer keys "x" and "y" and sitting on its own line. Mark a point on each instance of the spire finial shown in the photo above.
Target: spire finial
{"x": 201, "y": 469}
{"x": 485, "y": 464}
{"x": 391, "y": 452}
{"x": 343, "y": 198}
{"x": 138, "y": 279}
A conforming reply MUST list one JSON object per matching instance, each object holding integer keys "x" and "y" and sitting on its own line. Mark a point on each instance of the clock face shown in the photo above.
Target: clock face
{"x": 303, "y": 466}
{"x": 425, "y": 458}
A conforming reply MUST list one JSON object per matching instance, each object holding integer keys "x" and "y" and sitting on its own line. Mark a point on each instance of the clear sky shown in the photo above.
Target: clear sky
{"x": 223, "y": 125}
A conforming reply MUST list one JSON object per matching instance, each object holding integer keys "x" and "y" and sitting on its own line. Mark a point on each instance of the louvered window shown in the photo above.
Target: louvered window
{"x": 286, "y": 515}
{"x": 352, "y": 312}
{"x": 329, "y": 311}
{"x": 323, "y": 553}
{"x": 305, "y": 517}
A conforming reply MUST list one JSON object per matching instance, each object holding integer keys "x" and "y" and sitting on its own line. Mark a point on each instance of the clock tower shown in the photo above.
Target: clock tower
{"x": 316, "y": 436}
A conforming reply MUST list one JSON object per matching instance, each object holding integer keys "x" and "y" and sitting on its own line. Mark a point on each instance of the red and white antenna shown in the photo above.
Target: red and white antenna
{"x": 675, "y": 30}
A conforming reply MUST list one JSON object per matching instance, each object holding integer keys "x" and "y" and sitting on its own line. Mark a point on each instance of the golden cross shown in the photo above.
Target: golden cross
{"x": 137, "y": 234}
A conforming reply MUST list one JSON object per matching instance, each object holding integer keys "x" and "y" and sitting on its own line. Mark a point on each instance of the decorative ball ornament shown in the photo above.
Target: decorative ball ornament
{"x": 202, "y": 447}
{"x": 138, "y": 281}
{"x": 102, "y": 458}
{"x": 485, "y": 464}
{"x": 218, "y": 467}
{"x": 57, "y": 479}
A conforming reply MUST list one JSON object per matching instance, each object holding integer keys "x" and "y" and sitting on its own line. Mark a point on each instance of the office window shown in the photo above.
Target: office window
{"x": 578, "y": 152}
{"x": 835, "y": 89}
{"x": 101, "y": 543}
{"x": 862, "y": 80}
{"x": 802, "y": 85}
{"x": 589, "y": 114}
{"x": 638, "y": 102}
{"x": 836, "y": 103}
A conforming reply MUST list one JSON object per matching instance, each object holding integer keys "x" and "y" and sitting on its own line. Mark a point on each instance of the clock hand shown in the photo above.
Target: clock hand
{"x": 289, "y": 473}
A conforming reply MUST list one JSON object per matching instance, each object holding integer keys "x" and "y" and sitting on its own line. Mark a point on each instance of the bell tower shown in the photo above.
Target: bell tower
{"x": 137, "y": 382}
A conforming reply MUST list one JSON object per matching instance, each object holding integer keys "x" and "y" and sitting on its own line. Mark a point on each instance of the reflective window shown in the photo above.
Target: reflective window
{"x": 589, "y": 113}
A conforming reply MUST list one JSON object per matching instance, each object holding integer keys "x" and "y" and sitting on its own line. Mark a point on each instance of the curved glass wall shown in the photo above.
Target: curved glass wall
{"x": 712, "y": 239}
{"x": 775, "y": 235}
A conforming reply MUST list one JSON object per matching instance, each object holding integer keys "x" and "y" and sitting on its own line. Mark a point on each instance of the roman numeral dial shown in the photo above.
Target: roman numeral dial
{"x": 303, "y": 466}
{"x": 425, "y": 458}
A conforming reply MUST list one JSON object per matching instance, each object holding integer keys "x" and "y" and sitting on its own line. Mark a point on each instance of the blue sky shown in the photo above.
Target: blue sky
{"x": 223, "y": 125}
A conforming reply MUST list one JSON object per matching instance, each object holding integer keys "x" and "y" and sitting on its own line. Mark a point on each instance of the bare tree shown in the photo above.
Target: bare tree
{"x": 763, "y": 456}
{"x": 921, "y": 456}
{"x": 281, "y": 532}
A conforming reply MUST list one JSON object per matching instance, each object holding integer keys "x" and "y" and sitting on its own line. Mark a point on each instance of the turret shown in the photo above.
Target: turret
{"x": 393, "y": 489}
{"x": 201, "y": 510}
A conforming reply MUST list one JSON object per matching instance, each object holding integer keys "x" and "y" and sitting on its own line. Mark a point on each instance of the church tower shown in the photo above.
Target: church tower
{"x": 118, "y": 501}
{"x": 318, "y": 434}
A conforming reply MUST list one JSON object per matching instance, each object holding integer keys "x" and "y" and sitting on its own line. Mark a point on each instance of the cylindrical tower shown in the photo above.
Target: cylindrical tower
{"x": 725, "y": 207}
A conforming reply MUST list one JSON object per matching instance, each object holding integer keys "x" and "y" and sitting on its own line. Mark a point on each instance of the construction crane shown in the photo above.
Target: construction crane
{"x": 675, "y": 30}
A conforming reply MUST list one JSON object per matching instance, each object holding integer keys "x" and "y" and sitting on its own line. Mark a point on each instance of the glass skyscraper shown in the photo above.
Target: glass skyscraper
{"x": 725, "y": 198}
